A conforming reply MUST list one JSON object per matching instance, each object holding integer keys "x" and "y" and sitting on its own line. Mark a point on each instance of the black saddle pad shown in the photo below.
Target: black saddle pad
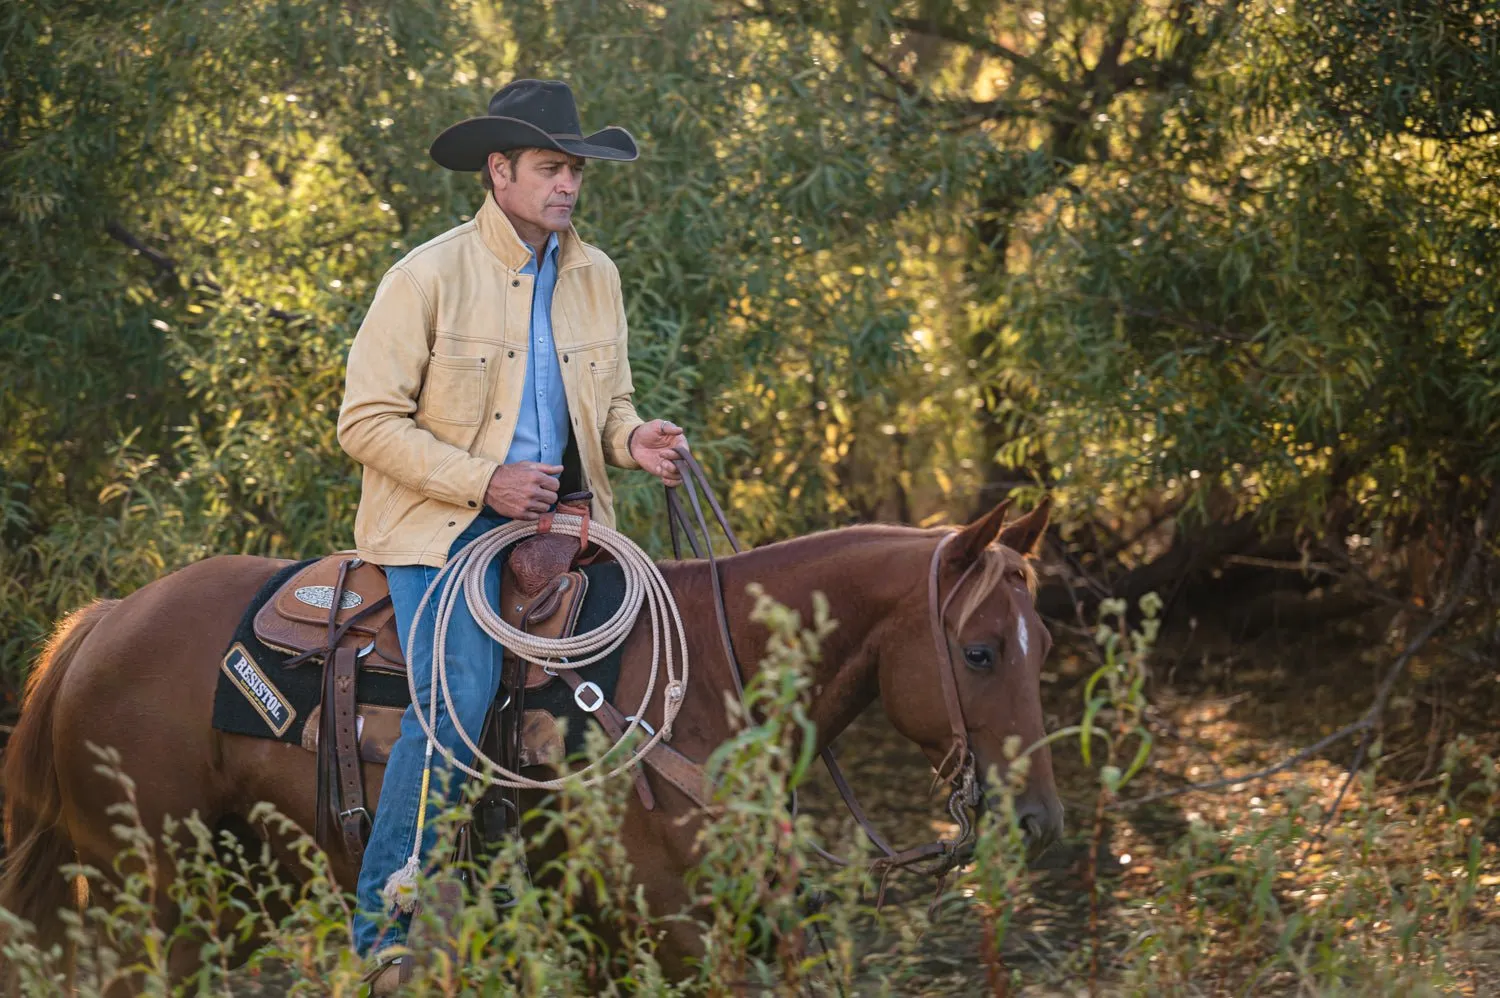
{"x": 258, "y": 695}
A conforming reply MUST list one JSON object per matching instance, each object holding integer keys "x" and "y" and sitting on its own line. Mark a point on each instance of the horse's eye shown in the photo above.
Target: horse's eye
{"x": 981, "y": 657}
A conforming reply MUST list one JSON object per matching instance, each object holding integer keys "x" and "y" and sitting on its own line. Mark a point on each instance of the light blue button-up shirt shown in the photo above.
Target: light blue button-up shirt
{"x": 542, "y": 426}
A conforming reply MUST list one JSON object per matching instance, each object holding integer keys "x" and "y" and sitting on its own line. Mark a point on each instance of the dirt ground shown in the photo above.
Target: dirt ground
{"x": 1223, "y": 708}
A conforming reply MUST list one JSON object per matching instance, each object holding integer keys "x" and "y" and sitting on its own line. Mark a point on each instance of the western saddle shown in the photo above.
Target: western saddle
{"x": 337, "y": 611}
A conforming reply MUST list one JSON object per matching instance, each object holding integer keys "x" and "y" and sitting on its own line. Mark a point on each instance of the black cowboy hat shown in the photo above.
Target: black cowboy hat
{"x": 537, "y": 114}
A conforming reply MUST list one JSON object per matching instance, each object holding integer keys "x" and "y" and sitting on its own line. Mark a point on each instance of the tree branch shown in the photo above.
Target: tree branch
{"x": 1460, "y": 135}
{"x": 904, "y": 85}
{"x": 163, "y": 263}
{"x": 168, "y": 267}
{"x": 1107, "y": 67}
{"x": 979, "y": 43}
{"x": 1259, "y": 774}
{"x": 1212, "y": 330}
{"x": 1483, "y": 527}
{"x": 1178, "y": 67}
{"x": 977, "y": 110}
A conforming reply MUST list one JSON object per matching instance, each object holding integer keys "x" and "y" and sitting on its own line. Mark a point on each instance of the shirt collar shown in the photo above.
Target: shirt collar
{"x": 549, "y": 256}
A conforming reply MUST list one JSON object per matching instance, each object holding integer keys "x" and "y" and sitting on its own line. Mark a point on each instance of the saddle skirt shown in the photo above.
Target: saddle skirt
{"x": 541, "y": 592}
{"x": 296, "y": 619}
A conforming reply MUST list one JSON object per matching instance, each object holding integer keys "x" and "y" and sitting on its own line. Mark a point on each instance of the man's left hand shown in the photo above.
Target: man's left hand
{"x": 654, "y": 445}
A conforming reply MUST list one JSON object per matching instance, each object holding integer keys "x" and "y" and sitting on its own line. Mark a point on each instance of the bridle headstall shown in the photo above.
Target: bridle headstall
{"x": 959, "y": 769}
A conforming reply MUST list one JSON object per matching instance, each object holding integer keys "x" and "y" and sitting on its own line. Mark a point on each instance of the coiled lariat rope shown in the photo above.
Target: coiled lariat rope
{"x": 463, "y": 578}
{"x": 464, "y": 575}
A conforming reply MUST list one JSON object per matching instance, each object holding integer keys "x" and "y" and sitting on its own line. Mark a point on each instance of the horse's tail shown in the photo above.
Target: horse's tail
{"x": 36, "y": 842}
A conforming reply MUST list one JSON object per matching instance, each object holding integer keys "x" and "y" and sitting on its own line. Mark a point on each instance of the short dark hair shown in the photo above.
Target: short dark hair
{"x": 512, "y": 156}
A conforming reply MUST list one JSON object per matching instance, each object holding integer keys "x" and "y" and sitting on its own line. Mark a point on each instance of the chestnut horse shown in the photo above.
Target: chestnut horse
{"x": 139, "y": 675}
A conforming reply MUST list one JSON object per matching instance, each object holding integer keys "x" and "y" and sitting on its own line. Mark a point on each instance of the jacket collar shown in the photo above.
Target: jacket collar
{"x": 500, "y": 237}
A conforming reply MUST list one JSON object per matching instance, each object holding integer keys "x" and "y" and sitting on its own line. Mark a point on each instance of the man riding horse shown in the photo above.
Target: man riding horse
{"x": 490, "y": 376}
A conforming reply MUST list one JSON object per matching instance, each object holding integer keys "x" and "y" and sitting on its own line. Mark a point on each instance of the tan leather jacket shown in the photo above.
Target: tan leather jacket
{"x": 436, "y": 372}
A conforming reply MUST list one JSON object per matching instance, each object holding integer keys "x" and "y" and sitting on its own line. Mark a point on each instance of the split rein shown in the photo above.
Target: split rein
{"x": 463, "y": 578}
{"x": 940, "y": 857}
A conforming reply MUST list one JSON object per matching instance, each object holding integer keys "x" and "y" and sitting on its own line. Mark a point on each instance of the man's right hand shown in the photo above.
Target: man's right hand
{"x": 523, "y": 490}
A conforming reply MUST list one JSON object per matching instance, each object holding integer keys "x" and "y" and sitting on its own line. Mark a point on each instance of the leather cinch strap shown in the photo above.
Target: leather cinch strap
{"x": 614, "y": 723}
{"x": 341, "y": 789}
{"x": 350, "y": 803}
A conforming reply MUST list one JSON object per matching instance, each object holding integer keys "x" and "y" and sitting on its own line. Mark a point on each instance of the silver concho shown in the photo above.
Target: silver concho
{"x": 322, "y": 597}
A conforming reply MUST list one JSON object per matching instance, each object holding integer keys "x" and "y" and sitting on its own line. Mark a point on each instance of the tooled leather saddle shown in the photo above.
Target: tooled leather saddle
{"x": 338, "y": 612}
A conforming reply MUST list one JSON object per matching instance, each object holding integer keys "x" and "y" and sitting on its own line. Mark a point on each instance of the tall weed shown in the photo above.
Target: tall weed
{"x": 1394, "y": 901}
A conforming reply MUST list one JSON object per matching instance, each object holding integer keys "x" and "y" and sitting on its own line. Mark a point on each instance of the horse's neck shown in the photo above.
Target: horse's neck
{"x": 868, "y": 575}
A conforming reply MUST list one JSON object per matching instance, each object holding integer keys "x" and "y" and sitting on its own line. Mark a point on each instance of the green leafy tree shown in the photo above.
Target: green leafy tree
{"x": 884, "y": 260}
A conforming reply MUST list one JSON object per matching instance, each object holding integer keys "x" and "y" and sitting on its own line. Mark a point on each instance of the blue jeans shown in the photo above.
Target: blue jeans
{"x": 474, "y": 664}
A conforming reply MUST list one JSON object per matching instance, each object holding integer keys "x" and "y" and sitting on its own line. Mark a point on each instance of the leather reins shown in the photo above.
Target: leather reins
{"x": 944, "y": 854}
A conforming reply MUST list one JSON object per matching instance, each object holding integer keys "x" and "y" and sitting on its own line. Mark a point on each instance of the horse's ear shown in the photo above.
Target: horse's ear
{"x": 971, "y": 540}
{"x": 1022, "y": 535}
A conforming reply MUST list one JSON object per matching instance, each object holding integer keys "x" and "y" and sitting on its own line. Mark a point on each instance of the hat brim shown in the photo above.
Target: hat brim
{"x": 466, "y": 146}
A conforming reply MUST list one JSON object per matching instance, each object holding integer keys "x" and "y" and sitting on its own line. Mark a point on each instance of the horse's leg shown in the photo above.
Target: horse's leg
{"x": 286, "y": 775}
{"x": 661, "y": 853}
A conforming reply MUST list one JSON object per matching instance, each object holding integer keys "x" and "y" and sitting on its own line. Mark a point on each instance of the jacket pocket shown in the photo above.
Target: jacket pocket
{"x": 604, "y": 389}
{"x": 453, "y": 391}
{"x": 387, "y": 508}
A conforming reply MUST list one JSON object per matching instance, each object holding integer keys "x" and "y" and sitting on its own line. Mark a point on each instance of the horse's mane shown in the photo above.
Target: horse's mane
{"x": 995, "y": 561}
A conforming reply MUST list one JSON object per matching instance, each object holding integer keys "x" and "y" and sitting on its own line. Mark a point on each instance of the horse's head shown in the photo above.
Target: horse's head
{"x": 995, "y": 644}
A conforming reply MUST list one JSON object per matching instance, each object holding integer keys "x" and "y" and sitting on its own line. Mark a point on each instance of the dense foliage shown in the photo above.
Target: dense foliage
{"x": 1396, "y": 900}
{"x": 882, "y": 259}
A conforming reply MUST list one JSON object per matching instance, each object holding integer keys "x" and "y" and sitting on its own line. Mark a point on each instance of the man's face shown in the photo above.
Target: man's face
{"x": 541, "y": 190}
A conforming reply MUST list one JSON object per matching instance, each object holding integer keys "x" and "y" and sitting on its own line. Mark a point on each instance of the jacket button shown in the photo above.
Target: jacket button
{"x": 452, "y": 523}
{"x": 510, "y": 353}
{"x": 497, "y": 415}
{"x": 565, "y": 358}
{"x": 473, "y": 504}
{"x": 516, "y": 283}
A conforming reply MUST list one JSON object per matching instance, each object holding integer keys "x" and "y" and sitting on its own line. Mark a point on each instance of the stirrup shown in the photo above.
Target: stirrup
{"x": 406, "y": 967}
